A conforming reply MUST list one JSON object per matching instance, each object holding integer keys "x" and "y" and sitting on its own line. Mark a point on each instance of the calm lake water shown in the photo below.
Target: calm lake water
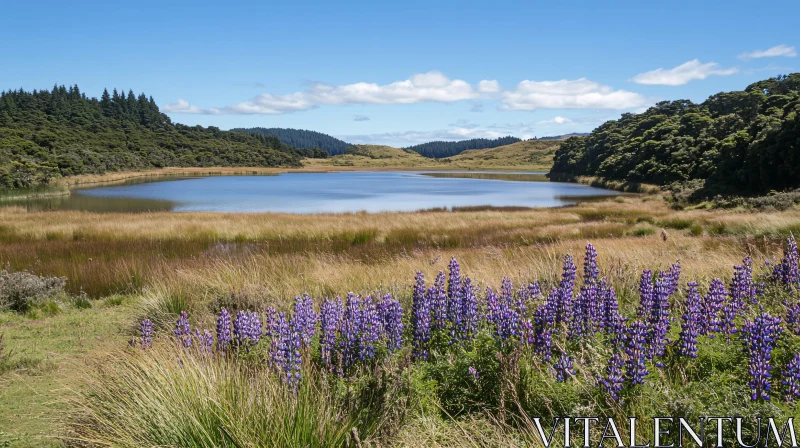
{"x": 327, "y": 193}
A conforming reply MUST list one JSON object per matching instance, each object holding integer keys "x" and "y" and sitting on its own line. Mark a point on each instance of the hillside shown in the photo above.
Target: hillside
{"x": 440, "y": 149}
{"x": 525, "y": 155}
{"x": 301, "y": 138}
{"x": 46, "y": 134}
{"x": 374, "y": 156}
{"x": 734, "y": 143}
{"x": 530, "y": 154}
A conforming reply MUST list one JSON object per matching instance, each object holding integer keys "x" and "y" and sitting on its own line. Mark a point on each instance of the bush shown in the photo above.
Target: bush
{"x": 19, "y": 291}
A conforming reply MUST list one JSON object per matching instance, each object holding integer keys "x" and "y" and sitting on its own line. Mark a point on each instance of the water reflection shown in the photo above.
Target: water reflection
{"x": 325, "y": 193}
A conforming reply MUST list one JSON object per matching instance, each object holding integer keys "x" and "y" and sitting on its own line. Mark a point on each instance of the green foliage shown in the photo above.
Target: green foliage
{"x": 439, "y": 149}
{"x": 62, "y": 132}
{"x": 20, "y": 291}
{"x": 740, "y": 143}
{"x": 301, "y": 138}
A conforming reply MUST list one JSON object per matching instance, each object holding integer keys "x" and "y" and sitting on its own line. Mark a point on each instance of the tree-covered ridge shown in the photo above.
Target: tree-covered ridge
{"x": 301, "y": 138}
{"x": 440, "y": 149}
{"x": 742, "y": 142}
{"x": 62, "y": 132}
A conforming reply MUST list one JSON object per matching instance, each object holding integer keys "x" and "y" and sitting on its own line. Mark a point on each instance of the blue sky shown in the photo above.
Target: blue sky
{"x": 400, "y": 73}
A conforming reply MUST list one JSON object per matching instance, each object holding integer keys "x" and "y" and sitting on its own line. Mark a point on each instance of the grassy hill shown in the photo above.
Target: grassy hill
{"x": 531, "y": 154}
{"x": 527, "y": 155}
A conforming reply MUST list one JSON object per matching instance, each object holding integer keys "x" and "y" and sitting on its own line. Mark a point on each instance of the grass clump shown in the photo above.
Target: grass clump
{"x": 166, "y": 397}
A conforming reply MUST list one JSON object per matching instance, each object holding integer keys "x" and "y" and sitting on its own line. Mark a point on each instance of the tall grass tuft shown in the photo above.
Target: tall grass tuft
{"x": 169, "y": 397}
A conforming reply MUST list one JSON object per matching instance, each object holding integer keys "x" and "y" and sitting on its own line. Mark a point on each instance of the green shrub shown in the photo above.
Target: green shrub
{"x": 20, "y": 291}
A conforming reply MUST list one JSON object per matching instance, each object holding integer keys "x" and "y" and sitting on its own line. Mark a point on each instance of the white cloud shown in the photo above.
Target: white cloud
{"x": 557, "y": 120}
{"x": 424, "y": 87}
{"x": 433, "y": 87}
{"x": 488, "y": 86}
{"x": 181, "y": 107}
{"x": 568, "y": 94}
{"x": 682, "y": 74}
{"x": 776, "y": 51}
{"x": 360, "y": 118}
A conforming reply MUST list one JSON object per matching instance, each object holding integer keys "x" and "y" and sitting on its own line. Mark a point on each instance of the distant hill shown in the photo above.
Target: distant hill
{"x": 564, "y": 137}
{"x": 440, "y": 149}
{"x": 301, "y": 138}
{"x": 528, "y": 153}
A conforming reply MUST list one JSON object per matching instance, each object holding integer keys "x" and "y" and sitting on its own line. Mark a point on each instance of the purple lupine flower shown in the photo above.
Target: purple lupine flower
{"x": 560, "y": 305}
{"x": 787, "y": 272}
{"x": 255, "y": 329}
{"x": 752, "y": 291}
{"x": 278, "y": 331}
{"x": 590, "y": 271}
{"x": 791, "y": 379}
{"x": 371, "y": 329}
{"x": 612, "y": 382}
{"x": 505, "y": 317}
{"x": 437, "y": 297}
{"x": 350, "y": 332}
{"x": 760, "y": 336}
{"x": 473, "y": 373}
{"x": 645, "y": 294}
{"x": 454, "y": 292}
{"x": 711, "y": 321}
{"x": 659, "y": 319}
{"x": 534, "y": 291}
{"x": 467, "y": 322}
{"x": 146, "y": 333}
{"x": 689, "y": 326}
{"x": 636, "y": 351}
{"x": 609, "y": 307}
{"x": 673, "y": 277}
{"x": 294, "y": 360}
{"x": 619, "y": 333}
{"x": 492, "y": 308}
{"x": 420, "y": 319}
{"x": 287, "y": 358}
{"x": 739, "y": 289}
{"x": 330, "y": 322}
{"x": 583, "y": 310}
{"x": 391, "y": 316}
{"x": 542, "y": 339}
{"x": 182, "y": 330}
{"x": 793, "y": 318}
{"x": 727, "y": 325}
{"x": 241, "y": 328}
{"x": 223, "y": 330}
{"x": 568, "y": 278}
{"x": 205, "y": 340}
{"x": 306, "y": 318}
{"x": 563, "y": 368}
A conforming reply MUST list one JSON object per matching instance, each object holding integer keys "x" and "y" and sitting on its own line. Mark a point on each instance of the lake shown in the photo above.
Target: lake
{"x": 370, "y": 191}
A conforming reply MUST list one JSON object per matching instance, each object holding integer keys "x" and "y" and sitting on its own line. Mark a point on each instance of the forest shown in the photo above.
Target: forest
{"x": 732, "y": 144}
{"x": 301, "y": 138}
{"x": 441, "y": 149}
{"x": 47, "y": 134}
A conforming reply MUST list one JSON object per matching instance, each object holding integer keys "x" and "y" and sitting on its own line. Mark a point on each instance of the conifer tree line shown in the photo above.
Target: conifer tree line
{"x": 734, "y": 143}
{"x": 46, "y": 134}
{"x": 442, "y": 149}
{"x": 301, "y": 138}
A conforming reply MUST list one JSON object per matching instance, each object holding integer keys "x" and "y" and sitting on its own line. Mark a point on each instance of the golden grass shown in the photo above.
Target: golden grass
{"x": 276, "y": 256}
{"x": 524, "y": 156}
